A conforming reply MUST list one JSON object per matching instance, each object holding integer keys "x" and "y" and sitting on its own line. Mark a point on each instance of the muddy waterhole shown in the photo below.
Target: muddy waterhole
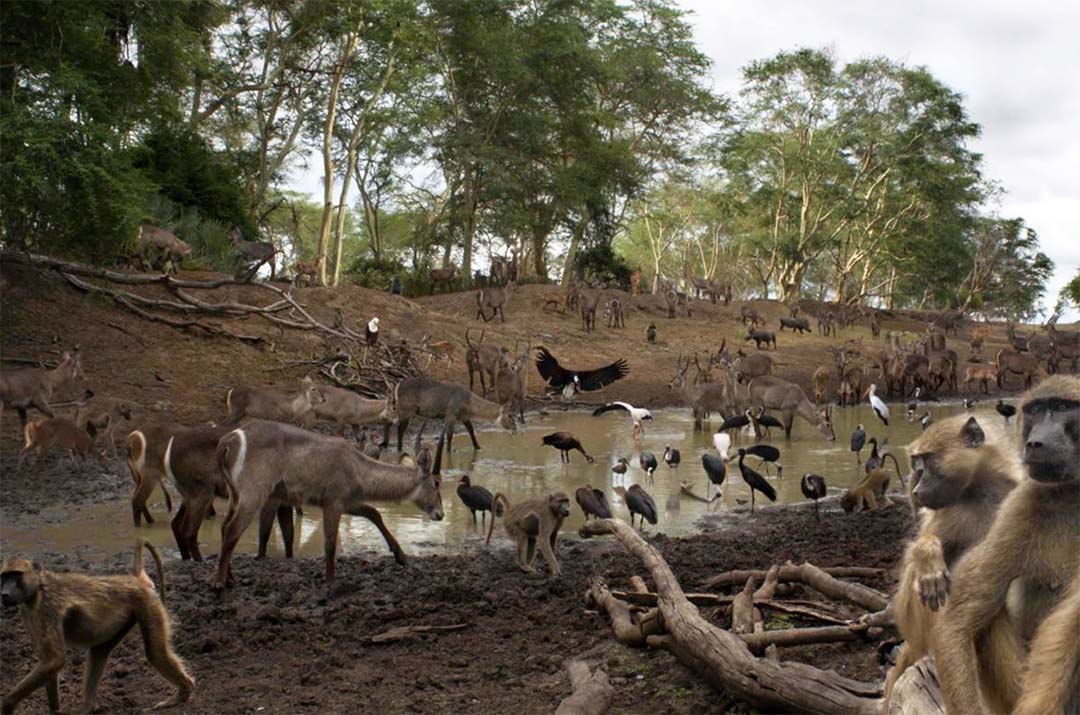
{"x": 520, "y": 467}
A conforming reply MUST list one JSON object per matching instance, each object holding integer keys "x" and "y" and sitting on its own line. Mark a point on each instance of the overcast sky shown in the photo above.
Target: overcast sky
{"x": 1016, "y": 64}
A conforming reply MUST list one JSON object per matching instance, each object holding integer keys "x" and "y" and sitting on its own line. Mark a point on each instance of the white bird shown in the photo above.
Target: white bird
{"x": 637, "y": 415}
{"x": 880, "y": 408}
{"x": 722, "y": 443}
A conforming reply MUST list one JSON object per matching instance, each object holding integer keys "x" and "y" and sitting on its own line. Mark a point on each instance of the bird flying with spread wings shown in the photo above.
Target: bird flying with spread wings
{"x": 571, "y": 381}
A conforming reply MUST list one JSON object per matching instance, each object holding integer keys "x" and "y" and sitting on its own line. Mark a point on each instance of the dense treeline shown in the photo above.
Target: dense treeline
{"x": 451, "y": 131}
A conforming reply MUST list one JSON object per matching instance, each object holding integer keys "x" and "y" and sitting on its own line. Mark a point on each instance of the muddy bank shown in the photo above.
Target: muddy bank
{"x": 283, "y": 642}
{"x": 45, "y": 493}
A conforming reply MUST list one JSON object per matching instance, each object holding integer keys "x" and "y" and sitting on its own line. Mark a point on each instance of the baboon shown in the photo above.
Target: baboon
{"x": 305, "y": 273}
{"x": 614, "y": 314}
{"x": 589, "y": 303}
{"x": 864, "y": 494}
{"x": 1052, "y": 680}
{"x": 672, "y": 299}
{"x": 960, "y": 473}
{"x": 875, "y": 326}
{"x": 104, "y": 415}
{"x": 650, "y": 333}
{"x": 532, "y": 522}
{"x": 45, "y": 434}
{"x": 91, "y": 612}
{"x": 821, "y": 378}
{"x": 1029, "y": 555}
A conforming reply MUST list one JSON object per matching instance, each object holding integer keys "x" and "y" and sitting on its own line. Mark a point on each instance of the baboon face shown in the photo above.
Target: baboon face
{"x": 559, "y": 504}
{"x": 18, "y": 582}
{"x": 1052, "y": 438}
{"x": 940, "y": 474}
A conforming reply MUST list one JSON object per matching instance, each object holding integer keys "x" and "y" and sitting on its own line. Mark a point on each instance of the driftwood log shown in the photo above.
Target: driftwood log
{"x": 723, "y": 658}
{"x": 591, "y": 691}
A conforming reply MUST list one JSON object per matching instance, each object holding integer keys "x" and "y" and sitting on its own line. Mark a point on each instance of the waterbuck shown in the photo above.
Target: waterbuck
{"x": 590, "y": 301}
{"x": 494, "y": 297}
{"x": 269, "y": 404}
{"x": 251, "y": 255}
{"x": 778, "y": 394}
{"x": 26, "y": 387}
{"x": 103, "y": 415}
{"x": 152, "y": 239}
{"x": 1010, "y": 361}
{"x": 269, "y": 464}
{"x": 442, "y": 276}
{"x": 483, "y": 360}
{"x": 706, "y": 397}
{"x": 448, "y": 401}
{"x": 43, "y": 435}
{"x": 512, "y": 382}
{"x": 345, "y": 407}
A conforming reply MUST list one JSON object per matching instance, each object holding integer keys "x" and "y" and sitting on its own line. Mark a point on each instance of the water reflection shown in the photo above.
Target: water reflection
{"x": 520, "y": 467}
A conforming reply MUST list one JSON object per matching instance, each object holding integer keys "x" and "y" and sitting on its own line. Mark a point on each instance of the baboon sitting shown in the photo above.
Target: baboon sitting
{"x": 959, "y": 475}
{"x": 532, "y": 522}
{"x": 92, "y": 612}
{"x": 1028, "y": 558}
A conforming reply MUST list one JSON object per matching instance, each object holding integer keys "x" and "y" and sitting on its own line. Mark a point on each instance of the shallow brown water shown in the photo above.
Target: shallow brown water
{"x": 520, "y": 467}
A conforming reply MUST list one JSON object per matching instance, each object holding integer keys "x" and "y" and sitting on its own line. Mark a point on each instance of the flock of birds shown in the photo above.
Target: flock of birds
{"x": 639, "y": 502}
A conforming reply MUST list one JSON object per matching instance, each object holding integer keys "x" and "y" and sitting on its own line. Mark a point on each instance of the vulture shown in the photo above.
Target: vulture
{"x": 570, "y": 382}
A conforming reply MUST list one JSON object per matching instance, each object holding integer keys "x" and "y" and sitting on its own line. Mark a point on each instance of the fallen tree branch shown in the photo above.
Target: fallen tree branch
{"x": 737, "y": 578}
{"x": 592, "y": 691}
{"x": 807, "y": 609}
{"x": 725, "y": 660}
{"x": 402, "y": 632}
{"x": 685, "y": 490}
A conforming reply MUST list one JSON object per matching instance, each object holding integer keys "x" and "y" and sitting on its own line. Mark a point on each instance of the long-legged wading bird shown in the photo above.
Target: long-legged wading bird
{"x": 735, "y": 422}
{"x": 621, "y": 466}
{"x": 874, "y": 460}
{"x": 767, "y": 453}
{"x": 672, "y": 457}
{"x": 767, "y": 421}
{"x": 715, "y": 469}
{"x": 926, "y": 420}
{"x": 1005, "y": 410}
{"x": 647, "y": 460}
{"x": 564, "y": 442}
{"x": 880, "y": 408}
{"x": 755, "y": 481}
{"x": 858, "y": 441}
{"x": 721, "y": 442}
{"x": 813, "y": 487}
{"x": 637, "y": 415}
{"x": 592, "y": 502}
{"x": 569, "y": 382}
{"x": 475, "y": 498}
{"x": 639, "y": 503}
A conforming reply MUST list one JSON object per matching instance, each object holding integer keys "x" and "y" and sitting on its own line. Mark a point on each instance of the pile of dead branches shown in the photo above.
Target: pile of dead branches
{"x": 725, "y": 649}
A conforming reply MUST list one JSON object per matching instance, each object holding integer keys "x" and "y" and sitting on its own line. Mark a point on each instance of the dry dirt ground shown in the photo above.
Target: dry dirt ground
{"x": 282, "y": 641}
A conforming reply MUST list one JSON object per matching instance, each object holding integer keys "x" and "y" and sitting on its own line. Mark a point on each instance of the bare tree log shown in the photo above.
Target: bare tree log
{"x": 819, "y": 580}
{"x": 917, "y": 691}
{"x": 768, "y": 588}
{"x": 758, "y": 641}
{"x": 399, "y": 633}
{"x": 622, "y": 623}
{"x": 724, "y": 659}
{"x": 744, "y": 616}
{"x": 735, "y": 578}
{"x": 806, "y": 609}
{"x": 591, "y": 694}
{"x": 686, "y": 489}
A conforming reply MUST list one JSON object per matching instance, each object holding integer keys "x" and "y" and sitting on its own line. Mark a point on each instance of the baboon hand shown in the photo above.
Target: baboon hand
{"x": 933, "y": 588}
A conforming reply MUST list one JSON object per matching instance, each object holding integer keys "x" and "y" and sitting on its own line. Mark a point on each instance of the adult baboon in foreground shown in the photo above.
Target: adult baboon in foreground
{"x": 92, "y": 612}
{"x": 1052, "y": 679}
{"x": 532, "y": 522}
{"x": 1029, "y": 554}
{"x": 960, "y": 473}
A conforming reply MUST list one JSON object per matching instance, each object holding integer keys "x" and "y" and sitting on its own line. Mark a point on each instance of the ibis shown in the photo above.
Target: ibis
{"x": 735, "y": 422}
{"x": 813, "y": 487}
{"x": 639, "y": 503}
{"x": 926, "y": 420}
{"x": 766, "y": 452}
{"x": 475, "y": 498}
{"x": 637, "y": 415}
{"x": 880, "y": 408}
{"x": 755, "y": 481}
{"x": 592, "y": 502}
{"x": 564, "y": 442}
{"x": 621, "y": 466}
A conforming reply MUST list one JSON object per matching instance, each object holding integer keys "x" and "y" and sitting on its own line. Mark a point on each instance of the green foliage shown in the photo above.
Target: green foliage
{"x": 598, "y": 265}
{"x": 1072, "y": 289}
{"x": 373, "y": 273}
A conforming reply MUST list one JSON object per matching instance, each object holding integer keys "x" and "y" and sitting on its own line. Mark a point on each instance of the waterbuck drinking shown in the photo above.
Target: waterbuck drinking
{"x": 268, "y": 464}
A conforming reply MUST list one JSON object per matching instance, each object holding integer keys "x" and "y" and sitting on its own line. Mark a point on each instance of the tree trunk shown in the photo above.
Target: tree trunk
{"x": 575, "y": 241}
{"x": 339, "y": 222}
{"x": 328, "y": 158}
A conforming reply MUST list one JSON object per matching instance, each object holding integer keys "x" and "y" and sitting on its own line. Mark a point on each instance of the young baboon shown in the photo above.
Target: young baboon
{"x": 1029, "y": 555}
{"x": 92, "y": 612}
{"x": 864, "y": 494}
{"x": 650, "y": 333}
{"x": 532, "y": 522}
{"x": 960, "y": 473}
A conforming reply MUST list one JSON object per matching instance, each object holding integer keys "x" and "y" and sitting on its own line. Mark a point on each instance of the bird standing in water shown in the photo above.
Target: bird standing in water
{"x": 813, "y": 487}
{"x": 880, "y": 408}
{"x": 672, "y": 457}
{"x": 647, "y": 460}
{"x": 755, "y": 481}
{"x": 858, "y": 440}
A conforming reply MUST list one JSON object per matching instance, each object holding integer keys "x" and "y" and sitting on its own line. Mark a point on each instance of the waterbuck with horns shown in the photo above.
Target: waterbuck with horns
{"x": 448, "y": 401}
{"x": 704, "y": 398}
{"x": 268, "y": 464}
{"x": 26, "y": 387}
{"x": 483, "y": 360}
